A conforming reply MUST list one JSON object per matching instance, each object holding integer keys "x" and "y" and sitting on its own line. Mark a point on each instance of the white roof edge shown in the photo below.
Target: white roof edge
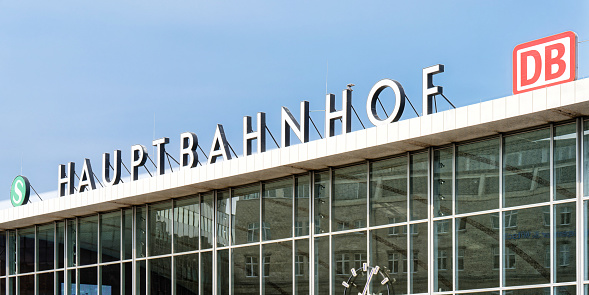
{"x": 552, "y": 104}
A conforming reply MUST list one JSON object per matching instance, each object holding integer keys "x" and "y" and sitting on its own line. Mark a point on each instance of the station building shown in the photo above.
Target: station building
{"x": 490, "y": 198}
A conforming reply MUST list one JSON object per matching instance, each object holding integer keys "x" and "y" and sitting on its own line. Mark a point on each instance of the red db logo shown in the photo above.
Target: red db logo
{"x": 544, "y": 62}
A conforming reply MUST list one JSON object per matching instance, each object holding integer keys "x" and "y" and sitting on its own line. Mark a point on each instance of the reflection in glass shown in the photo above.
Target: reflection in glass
{"x": 223, "y": 272}
{"x": 246, "y": 214}
{"x": 71, "y": 285}
{"x": 160, "y": 228}
{"x": 322, "y": 266}
{"x": 46, "y": 247}
{"x": 349, "y": 198}
{"x": 321, "y": 201}
{"x": 128, "y": 233}
{"x": 477, "y": 257}
{"x": 110, "y": 236}
{"x": 586, "y": 158}
{"x": 45, "y": 283}
{"x": 2, "y": 286}
{"x": 128, "y": 278}
{"x": 207, "y": 211}
{"x": 418, "y": 186}
{"x": 12, "y": 252}
{"x": 388, "y": 191}
{"x": 2, "y": 254}
{"x": 246, "y": 269}
{"x": 26, "y": 285}
{"x": 301, "y": 267}
{"x": 526, "y": 168}
{"x": 442, "y": 183}
{"x": 527, "y": 235}
{"x": 206, "y": 272}
{"x": 477, "y": 176}
{"x": 565, "y": 245}
{"x": 418, "y": 257}
{"x": 26, "y": 250}
{"x": 443, "y": 255}
{"x": 186, "y": 272}
{"x": 160, "y": 276}
{"x": 141, "y": 231}
{"x": 565, "y": 162}
{"x": 277, "y": 209}
{"x": 186, "y": 219}
{"x": 565, "y": 290}
{"x": 277, "y": 268}
{"x": 88, "y": 283}
{"x": 389, "y": 252}
{"x": 141, "y": 277}
{"x": 60, "y": 244}
{"x": 111, "y": 279}
{"x": 535, "y": 291}
{"x": 349, "y": 251}
{"x": 302, "y": 210}
{"x": 88, "y": 240}
{"x": 223, "y": 216}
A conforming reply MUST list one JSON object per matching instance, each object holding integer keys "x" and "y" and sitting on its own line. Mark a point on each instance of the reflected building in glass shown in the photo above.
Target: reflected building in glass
{"x": 477, "y": 207}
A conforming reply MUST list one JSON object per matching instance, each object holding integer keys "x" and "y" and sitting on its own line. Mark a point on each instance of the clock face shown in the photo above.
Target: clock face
{"x": 368, "y": 280}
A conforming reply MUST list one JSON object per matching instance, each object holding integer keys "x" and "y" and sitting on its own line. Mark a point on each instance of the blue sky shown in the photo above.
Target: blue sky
{"x": 81, "y": 78}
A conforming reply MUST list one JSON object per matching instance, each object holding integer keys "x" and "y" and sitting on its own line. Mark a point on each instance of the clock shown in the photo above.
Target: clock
{"x": 376, "y": 274}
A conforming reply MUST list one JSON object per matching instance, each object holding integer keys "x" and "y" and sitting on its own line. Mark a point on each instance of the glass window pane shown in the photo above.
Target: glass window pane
{"x": 527, "y": 237}
{"x": 46, "y": 283}
{"x": 565, "y": 290}
{"x": 418, "y": 264}
{"x": 301, "y": 267}
{"x": 388, "y": 191}
{"x": 477, "y": 254}
{"x": 223, "y": 272}
{"x": 206, "y": 272}
{"x": 88, "y": 240}
{"x": 526, "y": 168}
{"x": 26, "y": 285}
{"x": 246, "y": 269}
{"x": 160, "y": 228}
{"x": 389, "y": 251}
{"x": 349, "y": 251}
{"x": 2, "y": 286}
{"x": 128, "y": 278}
{"x": 72, "y": 246}
{"x": 186, "y": 270}
{"x": 88, "y": 280}
{"x": 443, "y": 255}
{"x": 223, "y": 216}
{"x": 72, "y": 281}
{"x": 302, "y": 210}
{"x": 418, "y": 186}
{"x": 277, "y": 268}
{"x": 535, "y": 291}
{"x": 141, "y": 277}
{"x": 2, "y": 254}
{"x": 60, "y": 244}
{"x": 160, "y": 275}
{"x": 565, "y": 226}
{"x": 128, "y": 233}
{"x": 321, "y": 201}
{"x": 477, "y": 176}
{"x": 12, "y": 252}
{"x": 565, "y": 162}
{"x": 111, "y": 279}
{"x": 60, "y": 283}
{"x": 442, "y": 184}
{"x": 322, "y": 263}
{"x": 246, "y": 214}
{"x": 186, "y": 220}
{"x": 110, "y": 236}
{"x": 45, "y": 235}
{"x": 141, "y": 231}
{"x": 207, "y": 211}
{"x": 349, "y": 198}
{"x": 26, "y": 250}
{"x": 277, "y": 209}
{"x": 586, "y": 158}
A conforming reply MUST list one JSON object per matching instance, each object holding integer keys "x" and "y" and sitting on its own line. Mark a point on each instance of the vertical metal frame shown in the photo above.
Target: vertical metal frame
{"x": 134, "y": 249}
{"x": 580, "y": 254}
{"x": 501, "y": 245}
{"x": 331, "y": 258}
{"x": 312, "y": 276}
{"x": 431, "y": 241}
{"x": 368, "y": 209}
{"x": 230, "y": 240}
{"x": 409, "y": 253}
{"x": 147, "y": 252}
{"x": 260, "y": 247}
{"x": 214, "y": 246}
{"x": 172, "y": 248}
{"x": 454, "y": 235}
{"x": 293, "y": 234}
{"x": 553, "y": 268}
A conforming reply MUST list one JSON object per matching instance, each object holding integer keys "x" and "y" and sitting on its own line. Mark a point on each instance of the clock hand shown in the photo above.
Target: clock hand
{"x": 372, "y": 272}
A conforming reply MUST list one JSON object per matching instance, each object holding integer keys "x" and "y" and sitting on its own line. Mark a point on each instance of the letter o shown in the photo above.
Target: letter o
{"x": 373, "y": 96}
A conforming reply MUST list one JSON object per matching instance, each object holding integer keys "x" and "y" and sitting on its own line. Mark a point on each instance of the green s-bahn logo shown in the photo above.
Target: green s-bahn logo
{"x": 20, "y": 191}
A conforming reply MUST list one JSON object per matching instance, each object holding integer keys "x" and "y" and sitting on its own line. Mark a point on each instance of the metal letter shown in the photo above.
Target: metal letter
{"x": 249, "y": 135}
{"x": 373, "y": 96}
{"x": 289, "y": 122}
{"x": 116, "y": 167}
{"x": 66, "y": 181}
{"x": 86, "y": 177}
{"x": 331, "y": 114}
{"x": 429, "y": 90}
{"x": 220, "y": 147}
{"x": 161, "y": 154}
{"x": 138, "y": 159}
{"x": 188, "y": 154}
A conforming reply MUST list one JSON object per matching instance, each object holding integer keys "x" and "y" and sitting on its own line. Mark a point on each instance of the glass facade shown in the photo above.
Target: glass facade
{"x": 500, "y": 215}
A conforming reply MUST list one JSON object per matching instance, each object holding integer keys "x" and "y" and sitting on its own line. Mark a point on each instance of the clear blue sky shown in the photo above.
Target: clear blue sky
{"x": 81, "y": 78}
